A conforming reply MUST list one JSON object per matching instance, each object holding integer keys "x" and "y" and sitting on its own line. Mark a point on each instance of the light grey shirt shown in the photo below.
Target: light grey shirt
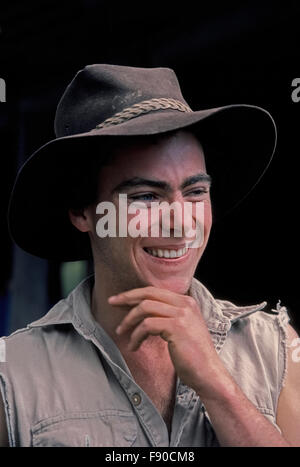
{"x": 65, "y": 383}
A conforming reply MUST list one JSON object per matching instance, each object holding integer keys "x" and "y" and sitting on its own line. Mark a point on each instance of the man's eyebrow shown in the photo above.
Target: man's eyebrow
{"x": 138, "y": 181}
{"x": 200, "y": 177}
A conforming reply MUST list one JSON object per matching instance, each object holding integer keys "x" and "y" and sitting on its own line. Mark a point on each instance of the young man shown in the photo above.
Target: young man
{"x": 141, "y": 354}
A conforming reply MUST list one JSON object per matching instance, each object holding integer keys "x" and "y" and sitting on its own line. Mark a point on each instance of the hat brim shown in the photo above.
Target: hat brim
{"x": 239, "y": 143}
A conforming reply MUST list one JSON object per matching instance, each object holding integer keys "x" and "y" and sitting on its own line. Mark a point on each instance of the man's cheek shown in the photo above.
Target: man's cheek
{"x": 208, "y": 213}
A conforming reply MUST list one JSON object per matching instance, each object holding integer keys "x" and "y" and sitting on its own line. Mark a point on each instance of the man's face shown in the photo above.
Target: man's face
{"x": 172, "y": 169}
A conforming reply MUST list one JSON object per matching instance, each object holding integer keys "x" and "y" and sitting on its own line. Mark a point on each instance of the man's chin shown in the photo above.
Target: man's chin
{"x": 176, "y": 285}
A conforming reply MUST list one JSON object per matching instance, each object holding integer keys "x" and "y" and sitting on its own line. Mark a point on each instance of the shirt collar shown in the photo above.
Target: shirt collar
{"x": 221, "y": 311}
{"x": 76, "y": 309}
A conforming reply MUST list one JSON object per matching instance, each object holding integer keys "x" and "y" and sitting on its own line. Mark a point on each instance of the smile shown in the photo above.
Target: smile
{"x": 166, "y": 253}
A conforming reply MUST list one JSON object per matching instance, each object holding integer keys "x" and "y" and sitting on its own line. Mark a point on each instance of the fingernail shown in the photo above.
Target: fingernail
{"x": 118, "y": 330}
{"x": 112, "y": 298}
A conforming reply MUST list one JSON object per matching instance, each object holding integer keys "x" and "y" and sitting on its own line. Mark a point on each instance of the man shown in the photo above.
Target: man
{"x": 141, "y": 354}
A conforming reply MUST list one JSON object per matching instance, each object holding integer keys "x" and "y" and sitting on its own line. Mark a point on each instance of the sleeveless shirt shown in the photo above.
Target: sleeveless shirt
{"x": 64, "y": 381}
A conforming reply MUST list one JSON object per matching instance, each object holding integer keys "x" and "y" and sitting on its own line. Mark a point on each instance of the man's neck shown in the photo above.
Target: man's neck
{"x": 108, "y": 316}
{"x": 105, "y": 314}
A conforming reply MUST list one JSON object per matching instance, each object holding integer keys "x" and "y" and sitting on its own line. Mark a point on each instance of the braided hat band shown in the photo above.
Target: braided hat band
{"x": 143, "y": 108}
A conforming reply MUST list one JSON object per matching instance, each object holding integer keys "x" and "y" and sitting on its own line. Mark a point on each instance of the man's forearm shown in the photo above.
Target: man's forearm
{"x": 235, "y": 419}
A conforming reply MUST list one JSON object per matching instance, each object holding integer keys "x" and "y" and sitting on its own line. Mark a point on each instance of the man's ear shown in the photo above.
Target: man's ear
{"x": 80, "y": 219}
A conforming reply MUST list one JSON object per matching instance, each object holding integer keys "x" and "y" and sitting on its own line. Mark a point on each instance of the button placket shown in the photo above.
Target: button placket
{"x": 186, "y": 398}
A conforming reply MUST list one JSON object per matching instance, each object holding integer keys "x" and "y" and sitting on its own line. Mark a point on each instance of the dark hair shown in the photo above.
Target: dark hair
{"x": 84, "y": 173}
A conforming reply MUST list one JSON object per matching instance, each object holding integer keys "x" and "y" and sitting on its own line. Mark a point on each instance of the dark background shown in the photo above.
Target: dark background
{"x": 223, "y": 53}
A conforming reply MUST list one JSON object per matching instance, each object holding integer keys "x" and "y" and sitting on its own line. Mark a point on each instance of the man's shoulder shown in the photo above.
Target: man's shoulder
{"x": 31, "y": 338}
{"x": 61, "y": 313}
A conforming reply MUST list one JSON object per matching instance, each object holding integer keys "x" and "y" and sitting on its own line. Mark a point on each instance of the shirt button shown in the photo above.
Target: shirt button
{"x": 136, "y": 399}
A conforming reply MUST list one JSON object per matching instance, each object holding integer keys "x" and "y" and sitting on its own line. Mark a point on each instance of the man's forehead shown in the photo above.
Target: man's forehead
{"x": 163, "y": 158}
{"x": 142, "y": 154}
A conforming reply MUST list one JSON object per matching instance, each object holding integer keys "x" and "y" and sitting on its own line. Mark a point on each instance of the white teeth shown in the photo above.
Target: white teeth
{"x": 167, "y": 253}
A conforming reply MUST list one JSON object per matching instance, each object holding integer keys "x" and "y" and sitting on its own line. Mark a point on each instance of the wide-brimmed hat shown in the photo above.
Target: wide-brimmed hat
{"x": 105, "y": 104}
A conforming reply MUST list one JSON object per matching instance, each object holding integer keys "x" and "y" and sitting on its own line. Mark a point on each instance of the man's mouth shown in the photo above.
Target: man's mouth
{"x": 166, "y": 253}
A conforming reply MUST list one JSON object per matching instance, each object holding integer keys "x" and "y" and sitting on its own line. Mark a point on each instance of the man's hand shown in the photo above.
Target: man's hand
{"x": 179, "y": 321}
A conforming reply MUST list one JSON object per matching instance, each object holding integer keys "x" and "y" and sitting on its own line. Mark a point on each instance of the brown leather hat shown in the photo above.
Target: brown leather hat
{"x": 107, "y": 103}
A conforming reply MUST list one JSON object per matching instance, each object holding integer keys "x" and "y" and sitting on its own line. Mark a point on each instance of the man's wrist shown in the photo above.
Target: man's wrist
{"x": 218, "y": 386}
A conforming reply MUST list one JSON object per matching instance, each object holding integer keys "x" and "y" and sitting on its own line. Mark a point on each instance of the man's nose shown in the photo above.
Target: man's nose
{"x": 182, "y": 216}
{"x": 176, "y": 215}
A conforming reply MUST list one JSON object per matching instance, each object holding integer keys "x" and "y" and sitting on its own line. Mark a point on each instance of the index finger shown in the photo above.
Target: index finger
{"x": 135, "y": 296}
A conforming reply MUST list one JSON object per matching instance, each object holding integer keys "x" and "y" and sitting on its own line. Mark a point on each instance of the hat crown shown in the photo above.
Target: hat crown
{"x": 100, "y": 91}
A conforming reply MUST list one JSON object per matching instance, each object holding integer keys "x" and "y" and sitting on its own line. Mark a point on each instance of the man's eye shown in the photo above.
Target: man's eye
{"x": 198, "y": 192}
{"x": 143, "y": 197}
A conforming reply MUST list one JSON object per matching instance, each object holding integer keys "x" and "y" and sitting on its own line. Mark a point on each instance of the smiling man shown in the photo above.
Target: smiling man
{"x": 141, "y": 354}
